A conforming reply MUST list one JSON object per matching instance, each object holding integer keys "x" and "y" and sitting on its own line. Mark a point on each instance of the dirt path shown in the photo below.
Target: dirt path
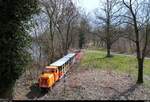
{"x": 122, "y": 54}
{"x": 97, "y": 85}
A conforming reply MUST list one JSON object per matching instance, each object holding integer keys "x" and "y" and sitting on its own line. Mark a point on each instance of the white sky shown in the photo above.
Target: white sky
{"x": 89, "y": 5}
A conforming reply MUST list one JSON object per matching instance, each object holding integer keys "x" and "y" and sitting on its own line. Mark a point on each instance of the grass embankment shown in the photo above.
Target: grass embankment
{"x": 118, "y": 63}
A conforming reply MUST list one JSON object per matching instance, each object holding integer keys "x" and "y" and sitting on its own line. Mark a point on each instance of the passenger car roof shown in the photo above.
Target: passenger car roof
{"x": 63, "y": 60}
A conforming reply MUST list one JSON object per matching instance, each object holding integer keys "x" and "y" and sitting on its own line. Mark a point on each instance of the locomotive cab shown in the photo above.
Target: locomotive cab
{"x": 49, "y": 76}
{"x": 53, "y": 70}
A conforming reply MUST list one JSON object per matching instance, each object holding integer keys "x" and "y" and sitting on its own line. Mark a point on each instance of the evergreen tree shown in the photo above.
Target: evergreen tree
{"x": 14, "y": 39}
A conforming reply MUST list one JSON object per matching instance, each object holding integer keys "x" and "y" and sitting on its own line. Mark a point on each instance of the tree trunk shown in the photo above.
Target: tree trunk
{"x": 52, "y": 54}
{"x": 108, "y": 50}
{"x": 140, "y": 71}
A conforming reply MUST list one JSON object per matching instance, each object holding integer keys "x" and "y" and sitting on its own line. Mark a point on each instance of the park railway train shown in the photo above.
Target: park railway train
{"x": 55, "y": 71}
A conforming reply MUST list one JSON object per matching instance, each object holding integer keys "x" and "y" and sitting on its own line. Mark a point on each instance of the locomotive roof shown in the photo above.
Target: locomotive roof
{"x": 63, "y": 60}
{"x": 51, "y": 67}
{"x": 70, "y": 55}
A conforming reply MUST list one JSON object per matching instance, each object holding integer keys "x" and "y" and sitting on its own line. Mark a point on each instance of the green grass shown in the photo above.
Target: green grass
{"x": 119, "y": 63}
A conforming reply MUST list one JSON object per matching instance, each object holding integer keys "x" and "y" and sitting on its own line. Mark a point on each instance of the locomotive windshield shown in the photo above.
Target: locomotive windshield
{"x": 48, "y": 70}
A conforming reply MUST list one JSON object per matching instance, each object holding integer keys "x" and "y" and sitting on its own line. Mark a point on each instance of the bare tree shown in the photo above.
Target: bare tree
{"x": 62, "y": 20}
{"x": 84, "y": 29}
{"x": 140, "y": 21}
{"x": 66, "y": 24}
{"x": 109, "y": 21}
{"x": 51, "y": 9}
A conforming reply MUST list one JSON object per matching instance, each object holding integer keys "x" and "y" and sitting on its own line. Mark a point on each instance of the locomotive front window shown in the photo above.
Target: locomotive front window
{"x": 48, "y": 70}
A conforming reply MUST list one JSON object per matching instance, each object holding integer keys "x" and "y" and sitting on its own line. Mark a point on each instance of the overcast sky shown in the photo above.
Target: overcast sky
{"x": 89, "y": 5}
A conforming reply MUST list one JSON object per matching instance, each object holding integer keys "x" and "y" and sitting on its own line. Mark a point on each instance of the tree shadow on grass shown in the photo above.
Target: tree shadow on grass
{"x": 105, "y": 57}
{"x": 126, "y": 93}
{"x": 111, "y": 56}
{"x": 35, "y": 92}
